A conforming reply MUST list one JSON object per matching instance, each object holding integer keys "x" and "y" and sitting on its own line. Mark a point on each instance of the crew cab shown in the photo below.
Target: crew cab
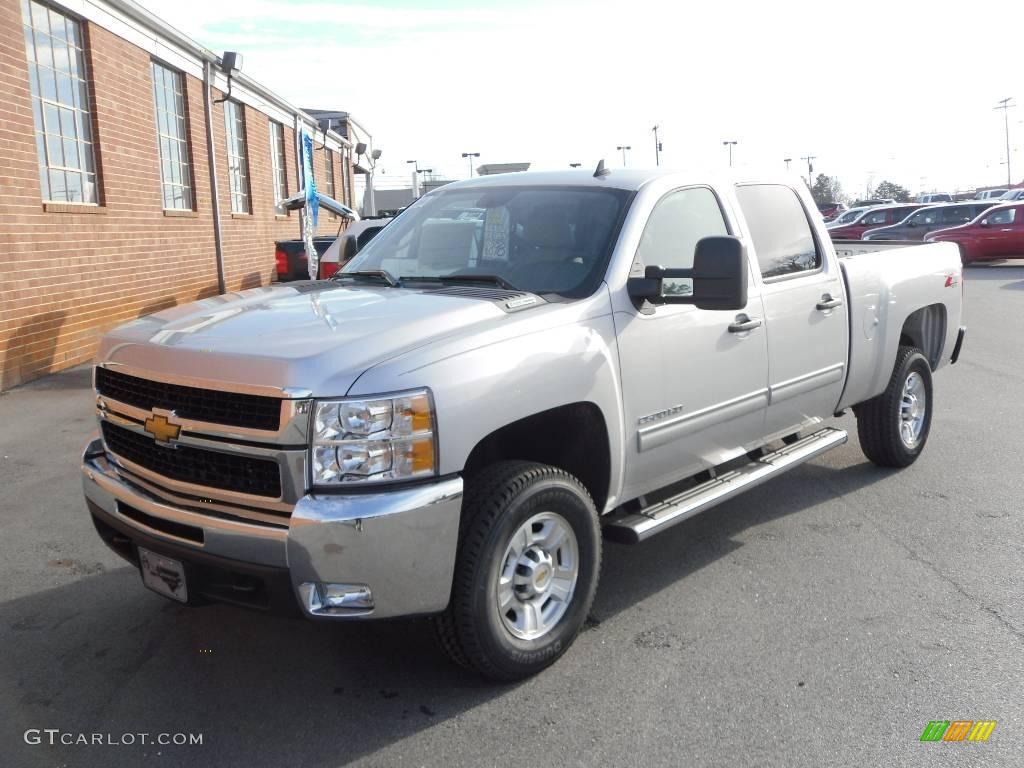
{"x": 514, "y": 367}
{"x": 872, "y": 218}
{"x": 998, "y": 233}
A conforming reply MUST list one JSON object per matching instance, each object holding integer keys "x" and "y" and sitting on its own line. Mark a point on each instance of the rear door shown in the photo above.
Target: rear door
{"x": 805, "y": 315}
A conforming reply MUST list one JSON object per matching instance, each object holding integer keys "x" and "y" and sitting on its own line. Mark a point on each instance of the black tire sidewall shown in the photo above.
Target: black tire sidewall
{"x": 914, "y": 363}
{"x": 513, "y": 656}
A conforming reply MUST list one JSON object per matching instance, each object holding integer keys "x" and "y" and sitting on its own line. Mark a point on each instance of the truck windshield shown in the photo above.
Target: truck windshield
{"x": 546, "y": 240}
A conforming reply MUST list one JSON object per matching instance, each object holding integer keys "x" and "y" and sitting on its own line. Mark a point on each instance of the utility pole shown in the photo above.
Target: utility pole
{"x": 624, "y": 150}
{"x": 1004, "y": 104}
{"x": 730, "y": 145}
{"x": 657, "y": 147}
{"x": 810, "y": 168}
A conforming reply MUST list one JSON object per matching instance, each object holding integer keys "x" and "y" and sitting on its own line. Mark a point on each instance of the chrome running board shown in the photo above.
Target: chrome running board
{"x": 633, "y": 527}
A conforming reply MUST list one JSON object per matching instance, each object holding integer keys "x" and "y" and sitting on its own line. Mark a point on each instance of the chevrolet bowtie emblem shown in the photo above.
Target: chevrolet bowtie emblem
{"x": 160, "y": 427}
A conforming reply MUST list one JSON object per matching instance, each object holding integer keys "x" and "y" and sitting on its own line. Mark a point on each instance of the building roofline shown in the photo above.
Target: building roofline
{"x": 157, "y": 25}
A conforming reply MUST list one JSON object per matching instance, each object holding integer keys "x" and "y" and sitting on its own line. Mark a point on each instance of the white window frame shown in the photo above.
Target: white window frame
{"x": 238, "y": 156}
{"x": 278, "y": 167}
{"x": 60, "y": 93}
{"x": 173, "y": 147}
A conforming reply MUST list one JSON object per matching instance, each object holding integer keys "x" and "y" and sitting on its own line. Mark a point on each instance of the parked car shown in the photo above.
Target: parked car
{"x": 990, "y": 194}
{"x": 880, "y": 216}
{"x": 849, "y": 216}
{"x": 829, "y": 211}
{"x": 935, "y": 197}
{"x": 448, "y": 425}
{"x": 876, "y": 201}
{"x": 998, "y": 233}
{"x": 1012, "y": 194}
{"x": 929, "y": 219}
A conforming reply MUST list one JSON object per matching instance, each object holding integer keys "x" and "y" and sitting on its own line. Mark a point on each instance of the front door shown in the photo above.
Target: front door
{"x": 694, "y": 391}
{"x": 1003, "y": 234}
{"x": 805, "y": 311}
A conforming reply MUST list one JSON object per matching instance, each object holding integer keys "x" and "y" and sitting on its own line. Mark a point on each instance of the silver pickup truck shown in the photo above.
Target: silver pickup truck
{"x": 514, "y": 367}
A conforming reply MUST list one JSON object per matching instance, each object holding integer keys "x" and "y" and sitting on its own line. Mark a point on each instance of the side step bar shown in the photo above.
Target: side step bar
{"x": 634, "y": 527}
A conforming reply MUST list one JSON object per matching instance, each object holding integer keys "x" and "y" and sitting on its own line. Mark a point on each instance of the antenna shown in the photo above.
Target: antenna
{"x": 601, "y": 171}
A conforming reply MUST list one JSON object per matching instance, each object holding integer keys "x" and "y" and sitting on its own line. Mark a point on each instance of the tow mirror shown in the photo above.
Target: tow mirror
{"x": 717, "y": 280}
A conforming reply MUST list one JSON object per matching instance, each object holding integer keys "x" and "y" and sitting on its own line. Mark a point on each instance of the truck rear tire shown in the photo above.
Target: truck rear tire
{"x": 893, "y": 427}
{"x": 526, "y": 570}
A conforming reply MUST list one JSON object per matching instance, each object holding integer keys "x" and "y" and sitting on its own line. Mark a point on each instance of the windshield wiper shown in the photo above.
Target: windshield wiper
{"x": 380, "y": 274}
{"x": 501, "y": 282}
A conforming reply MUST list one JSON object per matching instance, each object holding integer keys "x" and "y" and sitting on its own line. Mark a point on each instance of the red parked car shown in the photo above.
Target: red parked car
{"x": 998, "y": 233}
{"x": 829, "y": 211}
{"x": 881, "y": 216}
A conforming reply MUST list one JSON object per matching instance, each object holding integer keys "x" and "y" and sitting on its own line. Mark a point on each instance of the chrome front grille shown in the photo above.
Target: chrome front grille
{"x": 197, "y": 466}
{"x": 253, "y": 471}
{"x": 214, "y": 406}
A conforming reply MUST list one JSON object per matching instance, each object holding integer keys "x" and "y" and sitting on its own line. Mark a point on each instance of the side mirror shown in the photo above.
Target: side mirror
{"x": 983, "y": 222}
{"x": 718, "y": 279}
{"x": 911, "y": 223}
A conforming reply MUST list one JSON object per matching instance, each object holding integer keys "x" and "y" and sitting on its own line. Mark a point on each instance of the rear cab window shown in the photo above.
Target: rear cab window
{"x": 780, "y": 230}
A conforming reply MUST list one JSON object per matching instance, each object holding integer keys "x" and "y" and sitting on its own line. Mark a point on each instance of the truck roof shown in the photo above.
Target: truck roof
{"x": 616, "y": 178}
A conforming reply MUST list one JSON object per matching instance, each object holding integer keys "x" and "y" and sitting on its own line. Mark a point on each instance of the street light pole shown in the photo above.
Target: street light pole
{"x": 575, "y": 165}
{"x": 624, "y": 150}
{"x": 657, "y": 147}
{"x": 787, "y": 161}
{"x": 1004, "y": 104}
{"x": 730, "y": 145}
{"x": 471, "y": 155}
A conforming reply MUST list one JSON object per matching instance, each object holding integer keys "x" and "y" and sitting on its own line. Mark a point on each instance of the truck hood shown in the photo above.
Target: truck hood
{"x": 314, "y": 336}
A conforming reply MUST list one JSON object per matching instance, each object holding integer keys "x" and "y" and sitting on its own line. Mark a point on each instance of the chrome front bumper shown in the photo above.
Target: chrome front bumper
{"x": 400, "y": 543}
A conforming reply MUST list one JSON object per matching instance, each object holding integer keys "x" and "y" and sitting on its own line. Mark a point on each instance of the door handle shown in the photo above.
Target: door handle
{"x": 744, "y": 324}
{"x": 827, "y": 303}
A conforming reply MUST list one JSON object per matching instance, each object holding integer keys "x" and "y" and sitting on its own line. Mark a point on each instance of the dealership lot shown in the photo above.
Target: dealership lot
{"x": 823, "y": 619}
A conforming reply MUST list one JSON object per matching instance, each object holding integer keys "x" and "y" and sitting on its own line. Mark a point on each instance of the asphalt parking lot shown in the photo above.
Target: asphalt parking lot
{"x": 822, "y": 620}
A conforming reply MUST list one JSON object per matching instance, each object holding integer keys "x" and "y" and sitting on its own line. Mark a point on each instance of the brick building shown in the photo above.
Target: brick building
{"x": 106, "y": 201}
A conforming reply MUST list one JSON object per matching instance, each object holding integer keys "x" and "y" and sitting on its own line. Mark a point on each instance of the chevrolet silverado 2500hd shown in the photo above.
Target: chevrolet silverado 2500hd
{"x": 514, "y": 366}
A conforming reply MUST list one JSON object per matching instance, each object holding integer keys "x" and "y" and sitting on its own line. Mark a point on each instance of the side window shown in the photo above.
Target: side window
{"x": 955, "y": 215}
{"x": 927, "y": 217}
{"x": 874, "y": 218}
{"x": 1002, "y": 217}
{"x": 780, "y": 230}
{"x": 677, "y": 222}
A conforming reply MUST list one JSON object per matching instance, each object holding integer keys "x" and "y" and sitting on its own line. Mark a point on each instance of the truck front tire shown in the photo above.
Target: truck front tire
{"x": 893, "y": 427}
{"x": 526, "y": 570}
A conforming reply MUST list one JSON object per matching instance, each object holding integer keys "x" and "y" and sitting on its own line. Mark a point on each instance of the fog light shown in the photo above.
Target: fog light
{"x": 335, "y": 599}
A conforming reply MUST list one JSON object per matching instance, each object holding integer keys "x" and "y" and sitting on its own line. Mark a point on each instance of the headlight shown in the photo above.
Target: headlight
{"x": 373, "y": 440}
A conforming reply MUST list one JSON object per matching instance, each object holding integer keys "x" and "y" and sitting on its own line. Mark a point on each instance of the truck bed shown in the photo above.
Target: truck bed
{"x": 887, "y": 290}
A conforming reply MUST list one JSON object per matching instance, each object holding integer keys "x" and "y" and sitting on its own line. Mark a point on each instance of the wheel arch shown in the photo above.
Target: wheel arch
{"x": 925, "y": 328}
{"x": 572, "y": 437}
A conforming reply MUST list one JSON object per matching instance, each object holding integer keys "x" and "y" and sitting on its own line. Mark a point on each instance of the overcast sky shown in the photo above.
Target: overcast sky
{"x": 901, "y": 89}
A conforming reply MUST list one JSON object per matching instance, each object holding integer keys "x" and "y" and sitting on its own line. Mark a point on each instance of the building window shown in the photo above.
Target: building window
{"x": 172, "y": 132}
{"x": 60, "y": 105}
{"x": 329, "y": 178}
{"x": 277, "y": 164}
{"x": 238, "y": 164}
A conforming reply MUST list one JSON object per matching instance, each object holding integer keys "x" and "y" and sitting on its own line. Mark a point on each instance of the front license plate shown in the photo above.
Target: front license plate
{"x": 163, "y": 575}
